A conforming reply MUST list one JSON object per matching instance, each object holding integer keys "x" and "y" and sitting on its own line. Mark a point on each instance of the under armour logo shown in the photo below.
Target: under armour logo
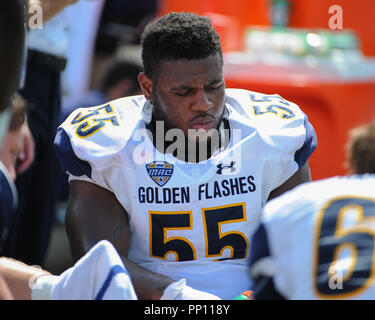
{"x": 221, "y": 167}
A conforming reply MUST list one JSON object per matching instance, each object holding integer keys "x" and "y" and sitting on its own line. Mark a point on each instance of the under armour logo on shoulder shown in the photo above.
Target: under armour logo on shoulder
{"x": 221, "y": 167}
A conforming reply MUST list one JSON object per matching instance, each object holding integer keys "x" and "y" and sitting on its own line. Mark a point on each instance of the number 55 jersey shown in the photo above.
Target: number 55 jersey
{"x": 190, "y": 220}
{"x": 317, "y": 242}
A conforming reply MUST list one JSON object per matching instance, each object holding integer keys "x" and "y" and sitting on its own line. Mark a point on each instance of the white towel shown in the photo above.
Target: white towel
{"x": 98, "y": 275}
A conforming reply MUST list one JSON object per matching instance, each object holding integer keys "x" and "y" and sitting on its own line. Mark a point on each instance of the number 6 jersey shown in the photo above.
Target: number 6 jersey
{"x": 190, "y": 220}
{"x": 317, "y": 241}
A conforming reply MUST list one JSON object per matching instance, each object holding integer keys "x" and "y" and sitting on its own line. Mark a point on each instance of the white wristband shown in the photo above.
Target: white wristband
{"x": 42, "y": 287}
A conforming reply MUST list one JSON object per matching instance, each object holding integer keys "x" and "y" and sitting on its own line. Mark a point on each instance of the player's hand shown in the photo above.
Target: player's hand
{"x": 180, "y": 291}
{"x": 10, "y": 151}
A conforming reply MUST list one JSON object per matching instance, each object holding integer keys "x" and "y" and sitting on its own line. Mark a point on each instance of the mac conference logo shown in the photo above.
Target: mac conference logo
{"x": 160, "y": 172}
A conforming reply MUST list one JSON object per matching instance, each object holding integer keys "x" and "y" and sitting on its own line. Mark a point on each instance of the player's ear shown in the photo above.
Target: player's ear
{"x": 146, "y": 85}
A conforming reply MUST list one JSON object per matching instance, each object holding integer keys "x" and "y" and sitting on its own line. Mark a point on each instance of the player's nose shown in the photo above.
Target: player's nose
{"x": 201, "y": 102}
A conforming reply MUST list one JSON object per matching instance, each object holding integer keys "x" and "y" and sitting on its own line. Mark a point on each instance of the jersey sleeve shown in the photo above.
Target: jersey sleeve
{"x": 283, "y": 138}
{"x": 88, "y": 144}
{"x": 302, "y": 154}
{"x": 291, "y": 144}
{"x": 281, "y": 124}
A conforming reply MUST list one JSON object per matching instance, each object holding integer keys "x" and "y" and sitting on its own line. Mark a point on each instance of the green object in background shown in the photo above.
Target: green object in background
{"x": 244, "y": 296}
{"x": 279, "y": 13}
{"x": 300, "y": 43}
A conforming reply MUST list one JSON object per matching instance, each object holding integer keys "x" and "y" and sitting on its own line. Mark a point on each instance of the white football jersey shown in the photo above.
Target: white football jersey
{"x": 190, "y": 220}
{"x": 318, "y": 240}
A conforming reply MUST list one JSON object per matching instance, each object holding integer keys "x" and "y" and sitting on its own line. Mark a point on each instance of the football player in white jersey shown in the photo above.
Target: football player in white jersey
{"x": 318, "y": 240}
{"x": 176, "y": 178}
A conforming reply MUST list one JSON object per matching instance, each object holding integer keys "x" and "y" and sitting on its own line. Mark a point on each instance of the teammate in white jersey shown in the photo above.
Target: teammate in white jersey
{"x": 318, "y": 240}
{"x": 176, "y": 178}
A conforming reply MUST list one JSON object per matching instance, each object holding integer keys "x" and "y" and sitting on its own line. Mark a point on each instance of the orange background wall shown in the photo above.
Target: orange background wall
{"x": 357, "y": 15}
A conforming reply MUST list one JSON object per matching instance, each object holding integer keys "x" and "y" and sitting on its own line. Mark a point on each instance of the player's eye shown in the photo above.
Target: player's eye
{"x": 183, "y": 93}
{"x": 214, "y": 87}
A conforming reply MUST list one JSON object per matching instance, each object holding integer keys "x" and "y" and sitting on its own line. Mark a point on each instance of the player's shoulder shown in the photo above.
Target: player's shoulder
{"x": 105, "y": 123}
{"x": 269, "y": 114}
{"x": 270, "y": 106}
{"x": 97, "y": 134}
{"x": 125, "y": 109}
{"x": 319, "y": 192}
{"x": 280, "y": 123}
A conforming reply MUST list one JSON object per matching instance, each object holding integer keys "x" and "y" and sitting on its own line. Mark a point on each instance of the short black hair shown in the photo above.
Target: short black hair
{"x": 178, "y": 35}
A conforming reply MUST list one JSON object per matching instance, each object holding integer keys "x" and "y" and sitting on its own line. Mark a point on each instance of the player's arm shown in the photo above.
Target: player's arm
{"x": 94, "y": 214}
{"x": 5, "y": 293}
{"x": 17, "y": 279}
{"x": 301, "y": 176}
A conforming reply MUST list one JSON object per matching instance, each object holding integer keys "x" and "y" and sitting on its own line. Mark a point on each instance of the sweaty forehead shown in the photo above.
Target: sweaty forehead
{"x": 191, "y": 72}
